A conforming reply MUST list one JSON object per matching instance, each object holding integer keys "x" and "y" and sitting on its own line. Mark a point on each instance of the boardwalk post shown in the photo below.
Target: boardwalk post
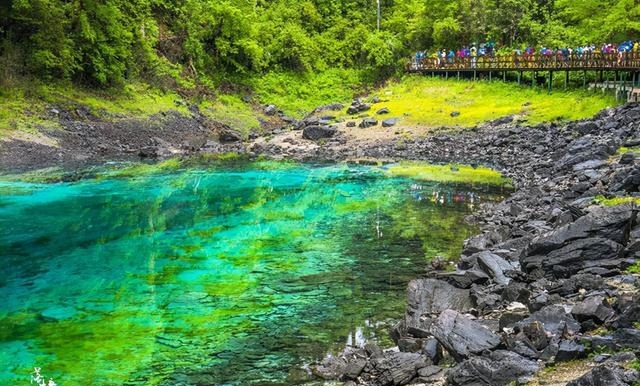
{"x": 584, "y": 78}
{"x": 550, "y": 79}
{"x": 566, "y": 79}
{"x": 519, "y": 77}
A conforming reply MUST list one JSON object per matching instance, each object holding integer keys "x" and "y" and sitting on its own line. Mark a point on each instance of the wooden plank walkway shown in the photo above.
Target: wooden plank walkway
{"x": 627, "y": 61}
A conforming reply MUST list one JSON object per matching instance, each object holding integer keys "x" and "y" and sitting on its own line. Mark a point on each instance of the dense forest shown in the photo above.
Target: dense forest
{"x": 104, "y": 43}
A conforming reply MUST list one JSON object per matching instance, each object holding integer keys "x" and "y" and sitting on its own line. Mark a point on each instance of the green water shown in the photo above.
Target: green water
{"x": 228, "y": 275}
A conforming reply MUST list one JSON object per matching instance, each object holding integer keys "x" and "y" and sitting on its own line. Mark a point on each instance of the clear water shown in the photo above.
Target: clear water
{"x": 228, "y": 275}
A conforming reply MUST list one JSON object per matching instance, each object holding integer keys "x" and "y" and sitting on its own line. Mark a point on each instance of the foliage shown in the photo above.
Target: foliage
{"x": 448, "y": 173}
{"x": 106, "y": 43}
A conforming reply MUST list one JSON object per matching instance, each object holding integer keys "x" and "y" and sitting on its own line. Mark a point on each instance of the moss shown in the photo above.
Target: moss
{"x": 616, "y": 200}
{"x": 447, "y": 173}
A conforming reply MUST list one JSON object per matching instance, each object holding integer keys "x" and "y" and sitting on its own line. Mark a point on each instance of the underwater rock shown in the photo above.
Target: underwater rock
{"x": 58, "y": 313}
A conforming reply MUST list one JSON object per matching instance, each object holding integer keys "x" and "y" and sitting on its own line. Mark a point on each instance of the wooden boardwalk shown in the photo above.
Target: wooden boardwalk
{"x": 624, "y": 67}
{"x": 627, "y": 61}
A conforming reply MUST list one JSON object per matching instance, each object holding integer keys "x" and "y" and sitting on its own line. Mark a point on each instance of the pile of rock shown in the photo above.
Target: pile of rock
{"x": 545, "y": 282}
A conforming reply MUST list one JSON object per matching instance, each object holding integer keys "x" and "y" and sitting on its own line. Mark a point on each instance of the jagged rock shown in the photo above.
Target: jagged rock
{"x": 228, "y": 135}
{"x": 594, "y": 308}
{"x": 432, "y": 376}
{"x": 461, "y": 336}
{"x": 627, "y": 338}
{"x": 368, "y": 122}
{"x": 398, "y": 368}
{"x": 627, "y": 159}
{"x": 629, "y": 311}
{"x": 610, "y": 374}
{"x": 569, "y": 350}
{"x": 429, "y": 297}
{"x": 499, "y": 368}
{"x": 315, "y": 132}
{"x": 495, "y": 266}
{"x": 555, "y": 321}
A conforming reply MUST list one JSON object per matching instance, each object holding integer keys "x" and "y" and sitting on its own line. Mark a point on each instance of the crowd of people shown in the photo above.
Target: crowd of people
{"x": 485, "y": 55}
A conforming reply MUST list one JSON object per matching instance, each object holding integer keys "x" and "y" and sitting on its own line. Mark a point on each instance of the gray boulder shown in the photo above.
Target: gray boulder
{"x": 428, "y": 298}
{"x": 461, "y": 336}
{"x": 315, "y": 132}
{"x": 398, "y": 368}
{"x": 555, "y": 320}
{"x": 609, "y": 374}
{"x": 497, "y": 369}
{"x": 594, "y": 308}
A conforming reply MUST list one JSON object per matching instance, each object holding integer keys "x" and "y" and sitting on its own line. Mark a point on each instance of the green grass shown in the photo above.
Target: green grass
{"x": 429, "y": 101}
{"x": 299, "y": 94}
{"x": 447, "y": 173}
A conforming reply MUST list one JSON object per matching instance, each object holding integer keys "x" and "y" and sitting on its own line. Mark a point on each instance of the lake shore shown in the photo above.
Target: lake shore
{"x": 550, "y": 251}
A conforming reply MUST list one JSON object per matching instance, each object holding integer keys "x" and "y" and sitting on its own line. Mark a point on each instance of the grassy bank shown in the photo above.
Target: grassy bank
{"x": 417, "y": 100}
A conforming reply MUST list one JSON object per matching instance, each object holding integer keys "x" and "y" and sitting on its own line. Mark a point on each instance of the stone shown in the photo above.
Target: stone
{"x": 495, "y": 266}
{"x": 569, "y": 350}
{"x": 398, "y": 368}
{"x": 432, "y": 376}
{"x": 499, "y": 368}
{"x": 627, "y": 159}
{"x": 389, "y": 122}
{"x": 315, "y": 132}
{"x": 384, "y": 110}
{"x": 461, "y": 336}
{"x": 627, "y": 338}
{"x": 270, "y": 110}
{"x": 368, "y": 122}
{"x": 593, "y": 308}
{"x": 58, "y": 313}
{"x": 228, "y": 135}
{"x": 555, "y": 321}
{"x": 610, "y": 374}
{"x": 429, "y": 297}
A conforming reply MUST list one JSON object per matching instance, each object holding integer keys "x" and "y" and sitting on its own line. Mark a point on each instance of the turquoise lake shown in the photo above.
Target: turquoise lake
{"x": 232, "y": 274}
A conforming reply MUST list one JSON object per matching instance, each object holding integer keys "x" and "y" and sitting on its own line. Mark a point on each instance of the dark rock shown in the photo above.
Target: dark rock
{"x": 351, "y": 124}
{"x": 270, "y": 110}
{"x": 228, "y": 135}
{"x": 382, "y": 111}
{"x": 461, "y": 336}
{"x": 433, "y": 350}
{"x": 354, "y": 367}
{"x": 609, "y": 374}
{"x": 432, "y": 375}
{"x": 555, "y": 320}
{"x": 497, "y": 369}
{"x": 593, "y": 308}
{"x": 315, "y": 132}
{"x": 627, "y": 338}
{"x": 455, "y": 114}
{"x": 495, "y": 266}
{"x": 576, "y": 256}
{"x": 569, "y": 350}
{"x": 627, "y": 159}
{"x": 398, "y": 368}
{"x": 389, "y": 122}
{"x": 429, "y": 297}
{"x": 629, "y": 311}
{"x": 368, "y": 122}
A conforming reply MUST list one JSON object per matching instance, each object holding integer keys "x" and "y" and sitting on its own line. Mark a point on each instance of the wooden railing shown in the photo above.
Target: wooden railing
{"x": 626, "y": 61}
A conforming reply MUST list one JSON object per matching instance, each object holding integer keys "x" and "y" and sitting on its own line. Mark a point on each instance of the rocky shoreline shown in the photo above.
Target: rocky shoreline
{"x": 545, "y": 281}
